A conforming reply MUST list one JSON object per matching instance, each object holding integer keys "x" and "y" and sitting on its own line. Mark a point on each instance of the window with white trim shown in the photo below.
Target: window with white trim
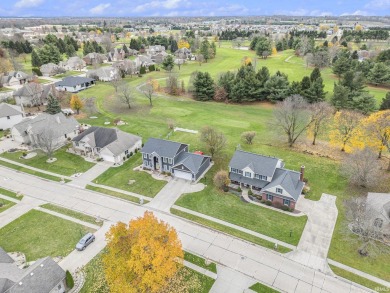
{"x": 270, "y": 197}
{"x": 279, "y": 190}
{"x": 170, "y": 161}
{"x": 286, "y": 202}
{"x": 146, "y": 156}
{"x": 164, "y": 160}
{"x": 248, "y": 174}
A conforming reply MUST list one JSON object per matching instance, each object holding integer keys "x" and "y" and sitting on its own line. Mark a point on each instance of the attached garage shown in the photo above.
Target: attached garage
{"x": 183, "y": 174}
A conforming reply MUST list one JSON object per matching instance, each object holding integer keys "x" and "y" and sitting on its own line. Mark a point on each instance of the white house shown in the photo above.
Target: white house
{"x": 15, "y": 78}
{"x": 10, "y": 115}
{"x": 74, "y": 84}
{"x": 58, "y": 128}
{"x": 73, "y": 63}
{"x": 105, "y": 73}
{"x": 112, "y": 145}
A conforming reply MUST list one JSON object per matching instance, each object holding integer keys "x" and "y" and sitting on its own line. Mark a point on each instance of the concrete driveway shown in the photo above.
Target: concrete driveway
{"x": 313, "y": 246}
{"x": 91, "y": 174}
{"x": 171, "y": 192}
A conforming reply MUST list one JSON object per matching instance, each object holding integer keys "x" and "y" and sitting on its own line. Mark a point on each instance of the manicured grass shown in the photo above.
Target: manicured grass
{"x": 262, "y": 220}
{"x": 360, "y": 280}
{"x": 119, "y": 177}
{"x": 260, "y": 288}
{"x": 200, "y": 261}
{"x": 231, "y": 231}
{"x": 10, "y": 193}
{"x": 70, "y": 213}
{"x": 67, "y": 164}
{"x": 5, "y": 204}
{"x": 31, "y": 172}
{"x": 115, "y": 194}
{"x": 43, "y": 81}
{"x": 205, "y": 282}
{"x": 68, "y": 73}
{"x": 4, "y": 89}
{"x": 38, "y": 234}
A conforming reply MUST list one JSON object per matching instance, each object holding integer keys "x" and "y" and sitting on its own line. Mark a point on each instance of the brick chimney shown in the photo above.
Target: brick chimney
{"x": 302, "y": 173}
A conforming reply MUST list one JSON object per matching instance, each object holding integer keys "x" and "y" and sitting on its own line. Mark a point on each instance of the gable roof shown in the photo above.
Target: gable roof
{"x": 105, "y": 71}
{"x": 164, "y": 148}
{"x": 259, "y": 164}
{"x": 115, "y": 140}
{"x": 73, "y": 81}
{"x": 9, "y": 110}
{"x": 29, "y": 89}
{"x": 191, "y": 161}
{"x": 288, "y": 180}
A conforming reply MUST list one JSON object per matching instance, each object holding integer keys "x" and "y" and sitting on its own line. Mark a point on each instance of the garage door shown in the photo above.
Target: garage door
{"x": 183, "y": 175}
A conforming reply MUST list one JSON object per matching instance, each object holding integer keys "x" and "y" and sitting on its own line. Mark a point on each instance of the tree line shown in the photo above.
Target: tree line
{"x": 19, "y": 47}
{"x": 366, "y": 35}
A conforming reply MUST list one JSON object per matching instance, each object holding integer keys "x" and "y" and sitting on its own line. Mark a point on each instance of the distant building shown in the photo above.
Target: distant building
{"x": 74, "y": 84}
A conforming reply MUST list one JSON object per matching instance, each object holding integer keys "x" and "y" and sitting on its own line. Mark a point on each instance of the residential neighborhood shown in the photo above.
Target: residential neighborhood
{"x": 172, "y": 146}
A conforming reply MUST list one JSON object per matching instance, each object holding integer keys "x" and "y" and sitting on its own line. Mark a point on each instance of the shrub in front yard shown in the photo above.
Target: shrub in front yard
{"x": 239, "y": 189}
{"x": 285, "y": 208}
{"x": 69, "y": 280}
{"x": 268, "y": 203}
{"x": 250, "y": 192}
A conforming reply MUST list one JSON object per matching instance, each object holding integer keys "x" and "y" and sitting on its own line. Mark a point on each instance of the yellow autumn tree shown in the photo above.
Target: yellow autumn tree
{"x": 98, "y": 31}
{"x": 358, "y": 27}
{"x": 246, "y": 60}
{"x": 335, "y": 29}
{"x": 142, "y": 256}
{"x": 128, "y": 35}
{"x": 76, "y": 103}
{"x": 274, "y": 51}
{"x": 345, "y": 129}
{"x": 183, "y": 44}
{"x": 376, "y": 131}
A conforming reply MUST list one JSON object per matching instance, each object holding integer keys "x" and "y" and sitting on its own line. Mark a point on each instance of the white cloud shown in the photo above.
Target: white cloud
{"x": 28, "y": 3}
{"x": 378, "y": 4}
{"x": 304, "y": 12}
{"x": 161, "y": 4}
{"x": 236, "y": 8}
{"x": 99, "y": 9}
{"x": 357, "y": 12}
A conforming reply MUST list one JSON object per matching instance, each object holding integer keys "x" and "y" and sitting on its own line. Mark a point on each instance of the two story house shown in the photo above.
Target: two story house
{"x": 267, "y": 177}
{"x": 174, "y": 157}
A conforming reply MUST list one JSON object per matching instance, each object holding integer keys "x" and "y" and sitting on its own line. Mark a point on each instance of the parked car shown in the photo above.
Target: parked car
{"x": 85, "y": 241}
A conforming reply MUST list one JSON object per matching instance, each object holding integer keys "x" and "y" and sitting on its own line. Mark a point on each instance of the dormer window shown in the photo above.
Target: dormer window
{"x": 248, "y": 174}
{"x": 279, "y": 190}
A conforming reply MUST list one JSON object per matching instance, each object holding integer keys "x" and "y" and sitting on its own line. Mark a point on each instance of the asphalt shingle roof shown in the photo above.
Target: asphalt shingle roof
{"x": 164, "y": 148}
{"x": 9, "y": 110}
{"x": 288, "y": 180}
{"x": 191, "y": 161}
{"x": 259, "y": 164}
{"x": 73, "y": 81}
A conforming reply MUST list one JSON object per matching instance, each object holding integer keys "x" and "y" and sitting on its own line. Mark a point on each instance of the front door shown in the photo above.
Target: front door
{"x": 156, "y": 163}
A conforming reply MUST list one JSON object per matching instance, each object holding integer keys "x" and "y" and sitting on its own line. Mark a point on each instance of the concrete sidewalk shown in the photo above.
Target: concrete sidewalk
{"x": 231, "y": 281}
{"x": 87, "y": 177}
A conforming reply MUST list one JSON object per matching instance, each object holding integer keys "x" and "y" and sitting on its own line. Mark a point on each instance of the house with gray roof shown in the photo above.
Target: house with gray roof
{"x": 378, "y": 204}
{"x": 32, "y": 94}
{"x": 58, "y": 127}
{"x": 13, "y": 78}
{"x": 43, "y": 276}
{"x": 73, "y": 63}
{"x": 95, "y": 58}
{"x": 110, "y": 144}
{"x": 74, "y": 84}
{"x": 51, "y": 69}
{"x": 10, "y": 115}
{"x": 105, "y": 73}
{"x": 266, "y": 177}
{"x": 173, "y": 157}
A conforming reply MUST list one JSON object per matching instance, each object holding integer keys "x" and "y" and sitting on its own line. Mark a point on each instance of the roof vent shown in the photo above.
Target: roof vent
{"x": 41, "y": 265}
{"x": 20, "y": 283}
{"x": 31, "y": 274}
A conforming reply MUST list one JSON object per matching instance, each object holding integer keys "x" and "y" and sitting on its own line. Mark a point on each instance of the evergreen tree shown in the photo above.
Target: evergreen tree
{"x": 69, "y": 50}
{"x": 340, "y": 98}
{"x": 295, "y": 88}
{"x": 316, "y": 73}
{"x": 226, "y": 80}
{"x": 355, "y": 55}
{"x": 204, "y": 89}
{"x": 263, "y": 75}
{"x": 125, "y": 49}
{"x": 379, "y": 74}
{"x": 174, "y": 46}
{"x": 316, "y": 91}
{"x": 205, "y": 49}
{"x": 341, "y": 66}
{"x": 53, "y": 106}
{"x": 364, "y": 103}
{"x": 305, "y": 83}
{"x": 61, "y": 46}
{"x": 134, "y": 45}
{"x": 263, "y": 45}
{"x": 385, "y": 105}
{"x": 277, "y": 87}
{"x": 49, "y": 54}
{"x": 168, "y": 63}
{"x": 35, "y": 60}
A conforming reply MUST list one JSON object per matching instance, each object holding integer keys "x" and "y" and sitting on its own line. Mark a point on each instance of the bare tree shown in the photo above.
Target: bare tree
{"x": 320, "y": 114}
{"x": 47, "y": 140}
{"x": 221, "y": 179}
{"x": 125, "y": 95}
{"x": 148, "y": 91}
{"x": 214, "y": 141}
{"x": 292, "y": 116}
{"x": 248, "y": 136}
{"x": 200, "y": 59}
{"x": 90, "y": 104}
{"x": 366, "y": 222}
{"x": 172, "y": 83}
{"x": 362, "y": 168}
{"x": 106, "y": 43}
{"x": 116, "y": 82}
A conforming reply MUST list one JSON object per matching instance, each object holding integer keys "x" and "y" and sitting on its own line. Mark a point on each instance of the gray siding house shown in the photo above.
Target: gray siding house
{"x": 173, "y": 157}
{"x": 267, "y": 178}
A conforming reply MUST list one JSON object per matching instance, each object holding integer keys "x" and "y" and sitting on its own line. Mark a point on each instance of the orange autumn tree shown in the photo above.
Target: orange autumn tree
{"x": 143, "y": 256}
{"x": 183, "y": 44}
{"x": 345, "y": 129}
{"x": 76, "y": 103}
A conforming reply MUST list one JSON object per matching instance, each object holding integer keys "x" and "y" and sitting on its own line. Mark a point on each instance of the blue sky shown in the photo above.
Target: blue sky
{"x": 191, "y": 7}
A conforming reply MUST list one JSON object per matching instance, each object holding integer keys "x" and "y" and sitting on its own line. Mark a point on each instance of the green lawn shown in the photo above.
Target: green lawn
{"x": 323, "y": 174}
{"x": 199, "y": 261}
{"x": 67, "y": 164}
{"x": 205, "y": 282}
{"x": 31, "y": 172}
{"x": 5, "y": 204}
{"x": 115, "y": 194}
{"x": 38, "y": 234}
{"x": 262, "y": 220}
{"x": 10, "y": 193}
{"x": 357, "y": 279}
{"x": 68, "y": 73}
{"x": 260, "y": 288}
{"x": 71, "y": 213}
{"x": 43, "y": 81}
{"x": 119, "y": 177}
{"x": 4, "y": 89}
{"x": 231, "y": 231}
